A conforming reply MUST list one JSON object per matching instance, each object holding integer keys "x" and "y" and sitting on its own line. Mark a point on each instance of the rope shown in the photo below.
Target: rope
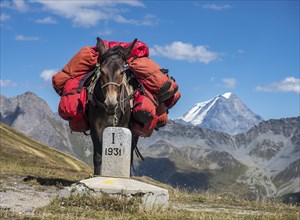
{"x": 122, "y": 96}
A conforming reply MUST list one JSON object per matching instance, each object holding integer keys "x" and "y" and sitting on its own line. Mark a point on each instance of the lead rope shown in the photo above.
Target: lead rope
{"x": 122, "y": 108}
{"x": 121, "y": 101}
{"x": 122, "y": 95}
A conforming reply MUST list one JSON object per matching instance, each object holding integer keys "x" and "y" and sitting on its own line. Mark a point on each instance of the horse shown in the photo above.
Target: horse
{"x": 110, "y": 97}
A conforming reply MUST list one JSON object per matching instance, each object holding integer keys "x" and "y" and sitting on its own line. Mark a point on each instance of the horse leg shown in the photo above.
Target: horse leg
{"x": 134, "y": 142}
{"x": 97, "y": 159}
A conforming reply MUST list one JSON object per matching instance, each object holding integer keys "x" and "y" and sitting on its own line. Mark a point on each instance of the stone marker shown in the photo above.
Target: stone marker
{"x": 152, "y": 197}
{"x": 115, "y": 172}
{"x": 116, "y": 152}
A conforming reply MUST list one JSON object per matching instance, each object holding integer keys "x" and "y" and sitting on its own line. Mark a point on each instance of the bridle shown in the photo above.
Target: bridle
{"x": 114, "y": 83}
{"x": 123, "y": 101}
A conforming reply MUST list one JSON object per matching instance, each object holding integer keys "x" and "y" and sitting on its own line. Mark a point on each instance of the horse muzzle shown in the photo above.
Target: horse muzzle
{"x": 111, "y": 108}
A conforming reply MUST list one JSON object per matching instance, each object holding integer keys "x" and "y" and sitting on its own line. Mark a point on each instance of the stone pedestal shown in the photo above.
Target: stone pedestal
{"x": 152, "y": 197}
{"x": 116, "y": 152}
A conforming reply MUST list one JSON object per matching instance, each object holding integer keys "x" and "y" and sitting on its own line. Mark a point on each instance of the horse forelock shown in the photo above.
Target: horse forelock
{"x": 114, "y": 52}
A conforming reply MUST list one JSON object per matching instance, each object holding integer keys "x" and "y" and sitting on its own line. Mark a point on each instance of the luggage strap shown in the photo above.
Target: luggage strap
{"x": 85, "y": 79}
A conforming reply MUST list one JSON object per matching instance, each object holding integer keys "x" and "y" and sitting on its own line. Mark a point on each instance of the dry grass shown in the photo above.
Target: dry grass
{"x": 23, "y": 156}
{"x": 91, "y": 207}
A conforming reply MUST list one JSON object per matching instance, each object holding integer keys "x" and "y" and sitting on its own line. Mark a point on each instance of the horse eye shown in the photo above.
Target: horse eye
{"x": 103, "y": 72}
{"x": 120, "y": 72}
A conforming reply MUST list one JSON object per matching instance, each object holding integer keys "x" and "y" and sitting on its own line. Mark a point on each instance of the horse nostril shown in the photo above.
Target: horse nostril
{"x": 110, "y": 108}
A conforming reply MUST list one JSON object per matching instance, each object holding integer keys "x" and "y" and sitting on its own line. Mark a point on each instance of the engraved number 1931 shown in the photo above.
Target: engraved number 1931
{"x": 113, "y": 151}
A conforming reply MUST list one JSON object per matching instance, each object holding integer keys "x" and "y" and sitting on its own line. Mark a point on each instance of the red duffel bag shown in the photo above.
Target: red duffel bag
{"x": 150, "y": 74}
{"x": 144, "y": 130}
{"x": 144, "y": 106}
{"x": 81, "y": 63}
{"x": 162, "y": 120}
{"x": 140, "y": 49}
{"x": 72, "y": 105}
{"x": 173, "y": 100}
{"x": 59, "y": 80}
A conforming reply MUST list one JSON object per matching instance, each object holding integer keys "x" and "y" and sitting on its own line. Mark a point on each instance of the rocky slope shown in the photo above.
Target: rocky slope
{"x": 31, "y": 115}
{"x": 265, "y": 159}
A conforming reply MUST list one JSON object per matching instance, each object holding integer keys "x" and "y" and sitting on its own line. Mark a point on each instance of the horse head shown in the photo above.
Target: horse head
{"x": 113, "y": 77}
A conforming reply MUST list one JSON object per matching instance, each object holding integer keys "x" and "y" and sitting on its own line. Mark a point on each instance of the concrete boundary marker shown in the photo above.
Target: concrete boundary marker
{"x": 116, "y": 152}
{"x": 153, "y": 197}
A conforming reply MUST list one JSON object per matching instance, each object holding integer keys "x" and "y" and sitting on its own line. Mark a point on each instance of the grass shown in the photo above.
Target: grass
{"x": 23, "y": 156}
{"x": 40, "y": 165}
{"x": 91, "y": 207}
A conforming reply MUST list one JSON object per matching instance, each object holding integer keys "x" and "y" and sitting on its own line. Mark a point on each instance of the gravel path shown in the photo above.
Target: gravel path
{"x": 18, "y": 196}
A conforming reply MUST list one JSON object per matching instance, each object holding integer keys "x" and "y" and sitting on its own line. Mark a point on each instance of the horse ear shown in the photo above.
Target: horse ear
{"x": 100, "y": 46}
{"x": 129, "y": 49}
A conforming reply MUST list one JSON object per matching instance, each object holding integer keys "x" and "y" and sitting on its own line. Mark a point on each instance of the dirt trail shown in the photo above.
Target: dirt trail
{"x": 18, "y": 196}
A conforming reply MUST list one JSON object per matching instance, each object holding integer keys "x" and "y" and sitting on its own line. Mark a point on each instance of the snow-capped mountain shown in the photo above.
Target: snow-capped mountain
{"x": 225, "y": 113}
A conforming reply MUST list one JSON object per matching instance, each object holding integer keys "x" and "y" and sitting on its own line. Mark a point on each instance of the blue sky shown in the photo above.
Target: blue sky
{"x": 249, "y": 48}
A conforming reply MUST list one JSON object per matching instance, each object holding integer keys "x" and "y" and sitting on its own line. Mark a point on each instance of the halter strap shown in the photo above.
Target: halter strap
{"x": 113, "y": 83}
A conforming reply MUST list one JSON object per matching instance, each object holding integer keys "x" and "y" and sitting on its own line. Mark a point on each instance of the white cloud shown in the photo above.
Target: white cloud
{"x": 47, "y": 74}
{"x": 4, "y": 17}
{"x": 185, "y": 51}
{"x": 216, "y": 7}
{"x": 289, "y": 84}
{"x": 148, "y": 20}
{"x": 105, "y": 32}
{"x": 21, "y": 37}
{"x": 7, "y": 83}
{"x": 89, "y": 13}
{"x": 46, "y": 20}
{"x": 20, "y": 5}
{"x": 135, "y": 3}
{"x": 229, "y": 82}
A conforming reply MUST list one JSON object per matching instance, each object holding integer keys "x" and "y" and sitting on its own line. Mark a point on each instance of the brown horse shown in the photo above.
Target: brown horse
{"x": 110, "y": 96}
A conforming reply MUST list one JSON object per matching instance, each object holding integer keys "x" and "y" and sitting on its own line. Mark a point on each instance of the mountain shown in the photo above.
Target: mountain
{"x": 31, "y": 115}
{"x": 225, "y": 113}
{"x": 261, "y": 163}
{"x": 258, "y": 164}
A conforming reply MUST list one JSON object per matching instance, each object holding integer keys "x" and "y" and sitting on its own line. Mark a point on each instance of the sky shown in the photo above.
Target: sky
{"x": 249, "y": 48}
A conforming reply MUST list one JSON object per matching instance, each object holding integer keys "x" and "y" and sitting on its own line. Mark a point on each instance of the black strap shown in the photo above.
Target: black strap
{"x": 165, "y": 71}
{"x": 138, "y": 153}
{"x": 143, "y": 90}
{"x": 85, "y": 78}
